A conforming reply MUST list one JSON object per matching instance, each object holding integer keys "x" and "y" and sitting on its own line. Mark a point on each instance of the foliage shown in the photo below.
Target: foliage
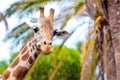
{"x": 90, "y": 57}
{"x": 23, "y": 8}
{"x": 79, "y": 44}
{"x": 27, "y": 6}
{"x": 45, "y": 65}
{"x": 89, "y": 53}
{"x": 3, "y": 66}
{"x": 13, "y": 57}
{"x": 5, "y": 63}
{"x": 89, "y": 60}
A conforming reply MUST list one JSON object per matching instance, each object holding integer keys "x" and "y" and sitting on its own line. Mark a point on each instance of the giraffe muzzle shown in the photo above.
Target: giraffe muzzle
{"x": 46, "y": 49}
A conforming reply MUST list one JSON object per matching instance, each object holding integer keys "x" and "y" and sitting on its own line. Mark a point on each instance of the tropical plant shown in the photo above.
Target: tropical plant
{"x": 68, "y": 68}
{"x": 5, "y": 63}
{"x": 106, "y": 31}
{"x": 45, "y": 66}
{"x": 3, "y": 66}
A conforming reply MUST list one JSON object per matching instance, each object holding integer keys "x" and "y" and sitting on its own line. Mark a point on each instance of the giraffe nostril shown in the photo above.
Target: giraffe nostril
{"x": 45, "y": 43}
{"x": 50, "y": 43}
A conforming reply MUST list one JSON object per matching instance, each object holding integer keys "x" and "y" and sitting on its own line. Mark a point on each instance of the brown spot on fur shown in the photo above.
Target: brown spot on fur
{"x": 30, "y": 44}
{"x": 36, "y": 55}
{"x": 33, "y": 47}
{"x": 31, "y": 50}
{"x": 6, "y": 75}
{"x": 30, "y": 60}
{"x": 15, "y": 62}
{"x": 38, "y": 47}
{"x": 25, "y": 56}
{"x": 24, "y": 48}
{"x": 20, "y": 72}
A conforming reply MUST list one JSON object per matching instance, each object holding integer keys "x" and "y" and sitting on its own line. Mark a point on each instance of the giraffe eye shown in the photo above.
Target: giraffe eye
{"x": 36, "y": 29}
{"x": 55, "y": 32}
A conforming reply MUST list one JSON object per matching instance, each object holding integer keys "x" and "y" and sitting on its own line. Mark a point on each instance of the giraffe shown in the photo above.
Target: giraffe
{"x": 41, "y": 42}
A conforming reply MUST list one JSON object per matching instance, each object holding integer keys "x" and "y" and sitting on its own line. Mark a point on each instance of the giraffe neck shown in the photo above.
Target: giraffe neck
{"x": 22, "y": 63}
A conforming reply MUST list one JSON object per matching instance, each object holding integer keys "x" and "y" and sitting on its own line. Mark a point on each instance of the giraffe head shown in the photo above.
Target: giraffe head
{"x": 44, "y": 31}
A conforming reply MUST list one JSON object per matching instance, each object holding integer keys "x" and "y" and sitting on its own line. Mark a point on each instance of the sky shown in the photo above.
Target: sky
{"x": 4, "y": 52}
{"x": 12, "y": 22}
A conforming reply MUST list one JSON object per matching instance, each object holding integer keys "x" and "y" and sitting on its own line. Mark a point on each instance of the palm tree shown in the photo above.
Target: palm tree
{"x": 106, "y": 37}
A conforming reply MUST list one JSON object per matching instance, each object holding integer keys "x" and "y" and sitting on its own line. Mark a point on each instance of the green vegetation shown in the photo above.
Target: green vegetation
{"x": 4, "y": 63}
{"x": 61, "y": 65}
{"x": 3, "y": 66}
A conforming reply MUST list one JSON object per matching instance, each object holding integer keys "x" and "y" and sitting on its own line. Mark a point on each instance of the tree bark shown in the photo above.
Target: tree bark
{"x": 108, "y": 36}
{"x": 106, "y": 52}
{"x": 114, "y": 23}
{"x": 109, "y": 45}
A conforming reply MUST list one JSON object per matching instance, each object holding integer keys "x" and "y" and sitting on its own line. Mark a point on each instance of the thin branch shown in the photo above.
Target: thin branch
{"x": 2, "y": 17}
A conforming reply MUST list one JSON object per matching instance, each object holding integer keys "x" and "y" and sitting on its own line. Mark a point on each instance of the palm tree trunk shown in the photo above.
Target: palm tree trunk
{"x": 106, "y": 52}
{"x": 107, "y": 40}
{"x": 114, "y": 23}
{"x": 110, "y": 44}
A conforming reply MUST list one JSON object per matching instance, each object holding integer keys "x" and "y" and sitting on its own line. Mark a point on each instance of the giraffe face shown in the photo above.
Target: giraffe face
{"x": 44, "y": 35}
{"x": 44, "y": 31}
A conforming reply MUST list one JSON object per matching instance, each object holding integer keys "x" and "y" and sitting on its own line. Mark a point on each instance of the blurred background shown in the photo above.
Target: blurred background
{"x": 67, "y": 58}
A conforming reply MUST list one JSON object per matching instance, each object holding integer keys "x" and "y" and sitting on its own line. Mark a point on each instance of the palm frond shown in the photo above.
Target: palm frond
{"x": 89, "y": 53}
{"x": 56, "y": 69}
{"x": 24, "y": 6}
{"x": 72, "y": 10}
{"x": 17, "y": 31}
{"x": 27, "y": 6}
{"x": 67, "y": 18}
{"x": 89, "y": 60}
{"x": 90, "y": 8}
{"x": 78, "y": 6}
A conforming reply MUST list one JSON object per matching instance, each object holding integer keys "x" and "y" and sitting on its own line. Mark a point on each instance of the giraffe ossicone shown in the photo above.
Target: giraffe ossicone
{"x": 41, "y": 42}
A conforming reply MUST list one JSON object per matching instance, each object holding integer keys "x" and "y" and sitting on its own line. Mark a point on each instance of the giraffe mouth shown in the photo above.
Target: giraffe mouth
{"x": 46, "y": 49}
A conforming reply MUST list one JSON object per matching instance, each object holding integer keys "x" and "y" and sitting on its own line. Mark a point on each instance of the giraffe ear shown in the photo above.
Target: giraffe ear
{"x": 61, "y": 33}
